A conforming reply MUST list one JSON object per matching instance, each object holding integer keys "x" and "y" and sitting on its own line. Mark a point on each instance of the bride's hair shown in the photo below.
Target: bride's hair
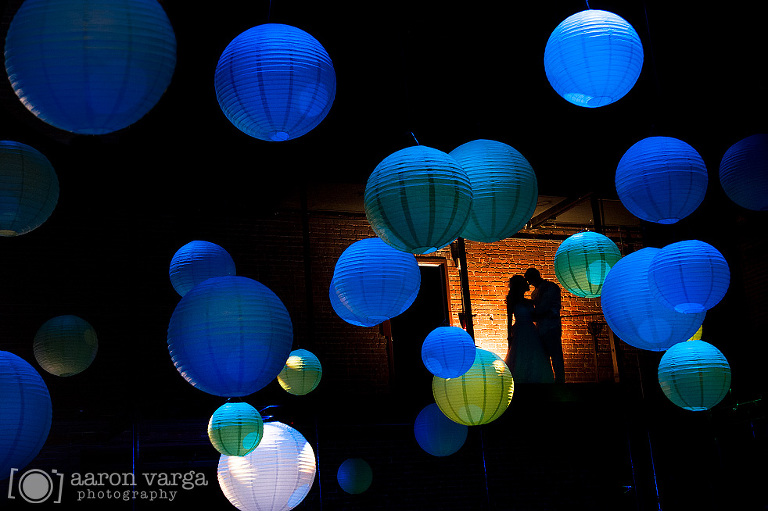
{"x": 517, "y": 288}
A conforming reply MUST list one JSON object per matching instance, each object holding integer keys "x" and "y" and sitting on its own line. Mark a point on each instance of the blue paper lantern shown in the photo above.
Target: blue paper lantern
{"x": 29, "y": 188}
{"x": 230, "y": 336}
{"x": 634, "y": 314}
{"x": 354, "y": 475}
{"x": 418, "y": 199}
{"x": 235, "y": 429}
{"x": 198, "y": 261}
{"x": 448, "y": 351}
{"x": 437, "y": 434}
{"x": 582, "y": 262}
{"x": 65, "y": 345}
{"x": 504, "y": 189}
{"x": 275, "y": 82}
{"x": 744, "y": 172}
{"x": 593, "y": 58}
{"x": 375, "y": 281}
{"x": 90, "y": 66}
{"x": 25, "y": 419}
{"x": 689, "y": 276}
{"x": 343, "y": 311}
{"x": 694, "y": 375}
{"x": 661, "y": 180}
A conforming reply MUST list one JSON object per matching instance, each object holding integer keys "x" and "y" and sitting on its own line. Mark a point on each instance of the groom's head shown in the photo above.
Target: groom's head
{"x": 533, "y": 276}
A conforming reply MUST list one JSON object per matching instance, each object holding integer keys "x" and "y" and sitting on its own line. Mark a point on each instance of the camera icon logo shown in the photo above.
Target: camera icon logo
{"x": 36, "y": 486}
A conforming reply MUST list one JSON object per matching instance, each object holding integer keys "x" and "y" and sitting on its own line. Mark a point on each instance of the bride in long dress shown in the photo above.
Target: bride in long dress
{"x": 526, "y": 356}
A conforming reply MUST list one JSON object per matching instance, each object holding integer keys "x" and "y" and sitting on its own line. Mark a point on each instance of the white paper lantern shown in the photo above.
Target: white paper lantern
{"x": 276, "y": 476}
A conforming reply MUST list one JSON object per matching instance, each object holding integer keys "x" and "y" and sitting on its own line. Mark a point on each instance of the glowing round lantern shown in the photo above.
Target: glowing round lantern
{"x": 354, "y": 475}
{"x": 235, "y": 429}
{"x": 275, "y": 82}
{"x": 480, "y": 395}
{"x": 436, "y": 433}
{"x": 301, "y": 374}
{"x": 582, "y": 262}
{"x": 504, "y": 189}
{"x": 90, "y": 66}
{"x": 744, "y": 172}
{"x": 418, "y": 199}
{"x": 26, "y": 413}
{"x": 65, "y": 345}
{"x": 593, "y": 58}
{"x": 343, "y": 311}
{"x": 694, "y": 375}
{"x": 375, "y": 281}
{"x": 689, "y": 276}
{"x": 448, "y": 351}
{"x": 661, "y": 180}
{"x": 276, "y": 476}
{"x": 230, "y": 336}
{"x": 29, "y": 188}
{"x": 633, "y": 313}
{"x": 198, "y": 261}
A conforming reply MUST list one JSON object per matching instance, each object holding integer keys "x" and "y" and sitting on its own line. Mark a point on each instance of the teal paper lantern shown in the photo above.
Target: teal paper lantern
{"x": 661, "y": 180}
{"x": 230, "y": 336}
{"x": 418, "y": 199}
{"x": 504, "y": 189}
{"x": 436, "y": 434}
{"x": 448, "y": 351}
{"x": 198, "y": 261}
{"x": 25, "y": 419}
{"x": 582, "y": 262}
{"x": 275, "y": 82}
{"x": 90, "y": 66}
{"x": 375, "y": 281}
{"x": 29, "y": 188}
{"x": 301, "y": 374}
{"x": 694, "y": 375}
{"x": 634, "y": 314}
{"x": 744, "y": 172}
{"x": 354, "y": 475}
{"x": 235, "y": 429}
{"x": 276, "y": 476}
{"x": 65, "y": 345}
{"x": 593, "y": 58}
{"x": 343, "y": 311}
{"x": 689, "y": 276}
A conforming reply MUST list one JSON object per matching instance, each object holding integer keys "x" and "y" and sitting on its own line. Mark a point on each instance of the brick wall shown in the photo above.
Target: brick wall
{"x": 357, "y": 358}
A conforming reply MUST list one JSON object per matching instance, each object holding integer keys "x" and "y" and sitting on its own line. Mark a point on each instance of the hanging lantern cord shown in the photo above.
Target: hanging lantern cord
{"x": 267, "y": 418}
{"x": 414, "y": 139}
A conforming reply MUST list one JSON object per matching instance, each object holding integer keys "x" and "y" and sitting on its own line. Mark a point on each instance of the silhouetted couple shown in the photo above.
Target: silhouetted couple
{"x": 535, "y": 344}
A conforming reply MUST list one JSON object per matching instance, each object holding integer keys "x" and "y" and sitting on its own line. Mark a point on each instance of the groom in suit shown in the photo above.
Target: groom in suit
{"x": 546, "y": 302}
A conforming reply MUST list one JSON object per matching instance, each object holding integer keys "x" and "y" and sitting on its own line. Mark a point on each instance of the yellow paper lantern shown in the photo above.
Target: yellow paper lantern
{"x": 301, "y": 374}
{"x": 480, "y": 395}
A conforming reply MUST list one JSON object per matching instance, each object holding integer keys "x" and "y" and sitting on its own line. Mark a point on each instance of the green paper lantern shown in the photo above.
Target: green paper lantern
{"x": 694, "y": 375}
{"x": 65, "y": 345}
{"x": 29, "y": 188}
{"x": 354, "y": 475}
{"x": 235, "y": 429}
{"x": 418, "y": 199}
{"x": 582, "y": 262}
{"x": 480, "y": 395}
{"x": 301, "y": 374}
